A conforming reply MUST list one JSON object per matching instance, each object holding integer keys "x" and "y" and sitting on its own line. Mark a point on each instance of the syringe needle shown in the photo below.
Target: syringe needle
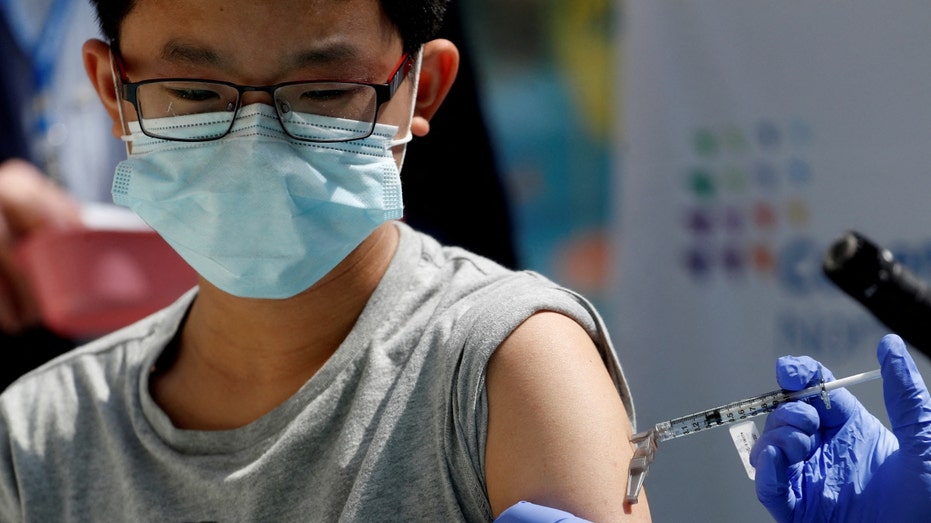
{"x": 640, "y": 463}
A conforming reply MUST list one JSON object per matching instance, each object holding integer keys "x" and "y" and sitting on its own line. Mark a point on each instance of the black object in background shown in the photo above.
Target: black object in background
{"x": 27, "y": 350}
{"x": 453, "y": 187}
{"x": 872, "y": 276}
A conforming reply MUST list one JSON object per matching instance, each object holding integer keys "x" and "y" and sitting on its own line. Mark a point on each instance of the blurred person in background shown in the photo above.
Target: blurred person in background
{"x": 56, "y": 150}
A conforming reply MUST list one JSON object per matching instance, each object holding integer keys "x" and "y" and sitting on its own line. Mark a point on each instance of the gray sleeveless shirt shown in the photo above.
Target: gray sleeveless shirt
{"x": 392, "y": 428}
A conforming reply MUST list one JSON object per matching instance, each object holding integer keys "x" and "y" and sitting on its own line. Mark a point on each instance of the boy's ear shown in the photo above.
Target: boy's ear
{"x": 97, "y": 65}
{"x": 437, "y": 73}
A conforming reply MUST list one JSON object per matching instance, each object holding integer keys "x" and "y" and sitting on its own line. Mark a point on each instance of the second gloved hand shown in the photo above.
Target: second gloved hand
{"x": 526, "y": 512}
{"x": 842, "y": 464}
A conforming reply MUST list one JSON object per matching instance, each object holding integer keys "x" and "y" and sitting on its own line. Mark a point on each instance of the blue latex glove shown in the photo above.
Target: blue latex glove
{"x": 526, "y": 512}
{"x": 842, "y": 464}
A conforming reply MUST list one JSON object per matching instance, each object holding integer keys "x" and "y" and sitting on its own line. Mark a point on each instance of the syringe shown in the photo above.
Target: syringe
{"x": 717, "y": 417}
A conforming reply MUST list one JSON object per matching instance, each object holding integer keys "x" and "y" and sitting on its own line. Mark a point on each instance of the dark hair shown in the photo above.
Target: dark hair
{"x": 417, "y": 20}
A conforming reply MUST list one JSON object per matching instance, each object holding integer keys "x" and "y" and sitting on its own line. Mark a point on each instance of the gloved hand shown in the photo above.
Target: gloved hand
{"x": 842, "y": 464}
{"x": 526, "y": 512}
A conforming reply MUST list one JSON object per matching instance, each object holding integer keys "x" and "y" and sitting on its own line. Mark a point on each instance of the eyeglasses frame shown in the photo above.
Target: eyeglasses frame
{"x": 383, "y": 94}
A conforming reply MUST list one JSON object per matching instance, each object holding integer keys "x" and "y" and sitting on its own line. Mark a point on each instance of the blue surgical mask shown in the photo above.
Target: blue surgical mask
{"x": 256, "y": 213}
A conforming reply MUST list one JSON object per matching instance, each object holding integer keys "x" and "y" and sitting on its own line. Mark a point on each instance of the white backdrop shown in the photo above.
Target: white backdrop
{"x": 754, "y": 133}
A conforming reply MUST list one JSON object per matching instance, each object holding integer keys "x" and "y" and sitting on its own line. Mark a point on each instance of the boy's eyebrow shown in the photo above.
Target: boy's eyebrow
{"x": 336, "y": 52}
{"x": 177, "y": 50}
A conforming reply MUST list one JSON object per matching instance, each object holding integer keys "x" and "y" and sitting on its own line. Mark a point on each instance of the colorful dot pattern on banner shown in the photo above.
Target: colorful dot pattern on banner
{"x": 744, "y": 187}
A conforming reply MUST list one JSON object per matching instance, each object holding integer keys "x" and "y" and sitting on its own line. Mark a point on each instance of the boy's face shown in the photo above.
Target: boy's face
{"x": 263, "y": 43}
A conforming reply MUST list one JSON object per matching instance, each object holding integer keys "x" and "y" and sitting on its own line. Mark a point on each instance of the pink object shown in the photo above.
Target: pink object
{"x": 90, "y": 282}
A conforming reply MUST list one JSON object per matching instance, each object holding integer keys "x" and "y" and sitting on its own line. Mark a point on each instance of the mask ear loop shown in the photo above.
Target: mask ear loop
{"x": 414, "y": 75}
{"x": 127, "y": 136}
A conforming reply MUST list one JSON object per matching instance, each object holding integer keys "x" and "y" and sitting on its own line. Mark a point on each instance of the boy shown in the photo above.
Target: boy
{"x": 332, "y": 363}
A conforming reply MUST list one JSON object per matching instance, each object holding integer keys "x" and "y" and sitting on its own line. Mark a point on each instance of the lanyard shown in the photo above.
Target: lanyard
{"x": 43, "y": 49}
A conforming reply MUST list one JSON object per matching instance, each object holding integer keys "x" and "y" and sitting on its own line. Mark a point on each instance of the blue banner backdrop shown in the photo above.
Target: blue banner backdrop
{"x": 754, "y": 133}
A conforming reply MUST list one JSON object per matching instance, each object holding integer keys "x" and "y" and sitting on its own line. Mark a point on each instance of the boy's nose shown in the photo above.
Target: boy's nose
{"x": 253, "y": 97}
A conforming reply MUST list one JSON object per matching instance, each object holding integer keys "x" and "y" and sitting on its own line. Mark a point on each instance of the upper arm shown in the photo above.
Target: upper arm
{"x": 558, "y": 432}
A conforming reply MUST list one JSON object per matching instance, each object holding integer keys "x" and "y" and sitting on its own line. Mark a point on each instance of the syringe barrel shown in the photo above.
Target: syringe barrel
{"x": 723, "y": 415}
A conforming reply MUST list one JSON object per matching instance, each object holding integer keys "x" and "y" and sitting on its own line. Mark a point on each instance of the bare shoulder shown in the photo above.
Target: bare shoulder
{"x": 558, "y": 432}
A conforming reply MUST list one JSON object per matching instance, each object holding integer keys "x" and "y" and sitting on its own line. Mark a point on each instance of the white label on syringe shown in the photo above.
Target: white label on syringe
{"x": 745, "y": 435}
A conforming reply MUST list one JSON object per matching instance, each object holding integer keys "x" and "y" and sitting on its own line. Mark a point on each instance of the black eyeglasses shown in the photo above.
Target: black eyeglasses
{"x": 317, "y": 111}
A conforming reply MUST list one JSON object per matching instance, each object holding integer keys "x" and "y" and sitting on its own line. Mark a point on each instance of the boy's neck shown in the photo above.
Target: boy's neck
{"x": 238, "y": 359}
